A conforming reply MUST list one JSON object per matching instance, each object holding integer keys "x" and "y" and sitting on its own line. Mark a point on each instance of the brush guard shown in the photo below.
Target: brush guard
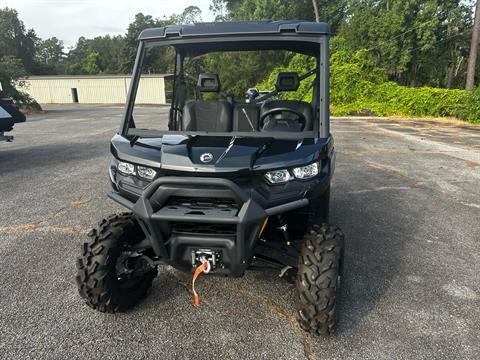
{"x": 176, "y": 214}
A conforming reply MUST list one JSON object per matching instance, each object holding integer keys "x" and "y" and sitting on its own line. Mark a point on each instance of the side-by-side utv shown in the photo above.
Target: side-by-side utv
{"x": 230, "y": 183}
{"x": 9, "y": 116}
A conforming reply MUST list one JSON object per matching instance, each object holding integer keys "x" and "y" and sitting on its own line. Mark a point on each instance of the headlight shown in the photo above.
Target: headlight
{"x": 306, "y": 172}
{"x": 146, "y": 172}
{"x": 278, "y": 176}
{"x": 126, "y": 168}
{"x": 130, "y": 169}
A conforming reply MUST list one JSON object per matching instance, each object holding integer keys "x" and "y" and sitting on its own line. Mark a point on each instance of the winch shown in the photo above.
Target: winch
{"x": 201, "y": 255}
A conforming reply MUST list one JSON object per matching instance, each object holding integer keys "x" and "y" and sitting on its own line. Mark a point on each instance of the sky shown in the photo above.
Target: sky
{"x": 69, "y": 19}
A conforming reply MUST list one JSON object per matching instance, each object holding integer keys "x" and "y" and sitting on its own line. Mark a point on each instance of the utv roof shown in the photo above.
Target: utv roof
{"x": 197, "y": 39}
{"x": 236, "y": 28}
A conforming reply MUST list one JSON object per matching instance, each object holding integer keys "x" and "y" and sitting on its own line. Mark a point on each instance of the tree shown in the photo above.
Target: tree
{"x": 332, "y": 12}
{"x": 417, "y": 42}
{"x": 190, "y": 15}
{"x": 315, "y": 10}
{"x": 11, "y": 71}
{"x": 446, "y": 67}
{"x": 109, "y": 52}
{"x": 17, "y": 53}
{"x": 90, "y": 66}
{"x": 15, "y": 39}
{"x": 50, "y": 51}
{"x": 219, "y": 10}
{"x": 153, "y": 60}
{"x": 108, "y": 55}
{"x": 157, "y": 60}
{"x": 472, "y": 59}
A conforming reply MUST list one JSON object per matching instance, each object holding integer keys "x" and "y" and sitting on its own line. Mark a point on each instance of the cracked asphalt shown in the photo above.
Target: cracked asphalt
{"x": 406, "y": 193}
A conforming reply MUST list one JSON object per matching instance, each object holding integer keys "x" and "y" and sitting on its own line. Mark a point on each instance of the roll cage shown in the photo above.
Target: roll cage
{"x": 195, "y": 40}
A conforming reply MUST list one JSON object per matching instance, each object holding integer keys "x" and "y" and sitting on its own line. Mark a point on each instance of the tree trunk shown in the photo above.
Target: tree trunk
{"x": 315, "y": 10}
{"x": 449, "y": 77}
{"x": 472, "y": 59}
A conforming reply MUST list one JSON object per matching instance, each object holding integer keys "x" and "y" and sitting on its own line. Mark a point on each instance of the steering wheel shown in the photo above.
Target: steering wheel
{"x": 278, "y": 111}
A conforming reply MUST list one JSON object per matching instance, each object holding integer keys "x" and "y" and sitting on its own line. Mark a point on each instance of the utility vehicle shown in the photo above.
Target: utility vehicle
{"x": 9, "y": 116}
{"x": 227, "y": 185}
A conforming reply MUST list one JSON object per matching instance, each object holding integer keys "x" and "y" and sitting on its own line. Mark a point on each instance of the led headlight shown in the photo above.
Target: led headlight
{"x": 278, "y": 176}
{"x": 126, "y": 168}
{"x": 306, "y": 172}
{"x": 146, "y": 172}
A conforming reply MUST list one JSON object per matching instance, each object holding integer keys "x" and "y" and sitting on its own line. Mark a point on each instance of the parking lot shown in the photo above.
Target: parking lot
{"x": 406, "y": 194}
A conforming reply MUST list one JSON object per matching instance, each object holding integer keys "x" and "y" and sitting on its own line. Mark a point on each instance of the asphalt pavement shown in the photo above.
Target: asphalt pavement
{"x": 406, "y": 193}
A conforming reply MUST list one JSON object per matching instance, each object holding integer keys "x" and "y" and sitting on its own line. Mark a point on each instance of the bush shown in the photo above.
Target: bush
{"x": 358, "y": 87}
{"x": 11, "y": 70}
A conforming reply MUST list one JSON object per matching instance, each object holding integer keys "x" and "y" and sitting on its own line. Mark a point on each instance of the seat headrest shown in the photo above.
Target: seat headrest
{"x": 208, "y": 83}
{"x": 287, "y": 81}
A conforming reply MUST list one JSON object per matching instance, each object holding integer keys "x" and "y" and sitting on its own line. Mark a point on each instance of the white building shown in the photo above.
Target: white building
{"x": 94, "y": 89}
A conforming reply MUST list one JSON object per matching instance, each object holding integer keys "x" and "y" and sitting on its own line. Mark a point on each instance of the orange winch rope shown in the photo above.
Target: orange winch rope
{"x": 196, "y": 274}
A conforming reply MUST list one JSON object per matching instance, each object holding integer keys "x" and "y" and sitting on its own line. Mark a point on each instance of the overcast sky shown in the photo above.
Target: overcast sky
{"x": 70, "y": 19}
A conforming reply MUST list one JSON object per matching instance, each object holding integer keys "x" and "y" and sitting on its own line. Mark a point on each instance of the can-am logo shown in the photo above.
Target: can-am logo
{"x": 206, "y": 158}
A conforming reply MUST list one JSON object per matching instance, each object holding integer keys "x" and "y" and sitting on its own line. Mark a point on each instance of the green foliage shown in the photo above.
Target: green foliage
{"x": 238, "y": 71}
{"x": 333, "y": 12}
{"x": 417, "y": 42}
{"x": 353, "y": 74}
{"x": 90, "y": 65}
{"x": 391, "y": 99}
{"x": 190, "y": 15}
{"x": 15, "y": 39}
{"x": 300, "y": 64}
{"x": 378, "y": 46}
{"x": 158, "y": 60}
{"x": 108, "y": 58}
{"x": 358, "y": 87}
{"x": 49, "y": 57}
{"x": 129, "y": 50}
{"x": 17, "y": 52}
{"x": 49, "y": 51}
{"x": 11, "y": 71}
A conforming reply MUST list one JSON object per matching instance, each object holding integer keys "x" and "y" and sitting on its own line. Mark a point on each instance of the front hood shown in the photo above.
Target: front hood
{"x": 227, "y": 153}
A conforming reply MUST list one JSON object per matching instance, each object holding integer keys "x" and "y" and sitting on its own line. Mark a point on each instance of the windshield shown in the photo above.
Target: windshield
{"x": 246, "y": 93}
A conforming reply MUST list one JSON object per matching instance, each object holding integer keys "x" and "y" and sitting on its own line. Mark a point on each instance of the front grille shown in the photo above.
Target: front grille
{"x": 202, "y": 229}
{"x": 179, "y": 206}
{"x": 201, "y": 203}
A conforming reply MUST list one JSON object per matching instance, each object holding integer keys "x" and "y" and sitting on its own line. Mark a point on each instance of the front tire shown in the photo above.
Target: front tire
{"x": 318, "y": 279}
{"x": 100, "y": 282}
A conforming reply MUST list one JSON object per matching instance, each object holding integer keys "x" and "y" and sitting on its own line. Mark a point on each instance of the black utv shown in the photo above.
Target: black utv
{"x": 218, "y": 184}
{"x": 9, "y": 116}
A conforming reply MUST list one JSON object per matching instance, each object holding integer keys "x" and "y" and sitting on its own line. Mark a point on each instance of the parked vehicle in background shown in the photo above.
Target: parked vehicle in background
{"x": 9, "y": 116}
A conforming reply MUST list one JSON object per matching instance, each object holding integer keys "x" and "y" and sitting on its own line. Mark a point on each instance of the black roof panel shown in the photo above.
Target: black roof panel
{"x": 236, "y": 28}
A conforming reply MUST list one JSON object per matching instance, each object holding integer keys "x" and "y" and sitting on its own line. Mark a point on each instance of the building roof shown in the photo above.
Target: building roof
{"x": 235, "y": 28}
{"x": 102, "y": 76}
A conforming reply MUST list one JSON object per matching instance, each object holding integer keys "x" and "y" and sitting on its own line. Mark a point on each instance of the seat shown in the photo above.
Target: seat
{"x": 300, "y": 106}
{"x": 245, "y": 117}
{"x": 208, "y": 115}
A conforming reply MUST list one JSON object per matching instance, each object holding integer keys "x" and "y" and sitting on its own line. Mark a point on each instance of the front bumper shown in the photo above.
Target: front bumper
{"x": 235, "y": 224}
